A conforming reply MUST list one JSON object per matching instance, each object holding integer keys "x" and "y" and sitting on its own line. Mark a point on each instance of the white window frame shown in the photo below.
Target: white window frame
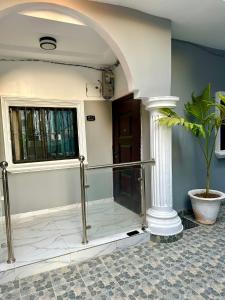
{"x": 6, "y": 102}
{"x": 219, "y": 153}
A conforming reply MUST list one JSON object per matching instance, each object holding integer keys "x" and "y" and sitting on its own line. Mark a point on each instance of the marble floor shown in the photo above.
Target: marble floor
{"x": 42, "y": 235}
{"x": 192, "y": 268}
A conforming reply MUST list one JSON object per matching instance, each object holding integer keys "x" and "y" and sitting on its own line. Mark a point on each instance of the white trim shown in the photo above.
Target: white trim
{"x": 218, "y": 152}
{"x": 43, "y": 166}
{"x": 41, "y": 102}
{"x": 160, "y": 102}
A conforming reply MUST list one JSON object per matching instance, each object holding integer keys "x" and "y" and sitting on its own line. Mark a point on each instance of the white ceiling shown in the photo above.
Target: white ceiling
{"x": 76, "y": 43}
{"x": 197, "y": 21}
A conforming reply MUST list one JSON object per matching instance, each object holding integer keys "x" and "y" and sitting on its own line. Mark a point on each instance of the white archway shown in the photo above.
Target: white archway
{"x": 142, "y": 43}
{"x": 74, "y": 10}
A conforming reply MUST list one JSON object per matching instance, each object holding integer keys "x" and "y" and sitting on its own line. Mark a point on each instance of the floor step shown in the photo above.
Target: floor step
{"x": 91, "y": 250}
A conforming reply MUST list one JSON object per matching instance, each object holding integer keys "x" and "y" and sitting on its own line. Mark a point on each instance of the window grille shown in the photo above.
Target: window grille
{"x": 43, "y": 134}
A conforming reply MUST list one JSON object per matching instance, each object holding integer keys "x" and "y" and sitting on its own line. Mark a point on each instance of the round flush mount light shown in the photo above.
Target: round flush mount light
{"x": 48, "y": 43}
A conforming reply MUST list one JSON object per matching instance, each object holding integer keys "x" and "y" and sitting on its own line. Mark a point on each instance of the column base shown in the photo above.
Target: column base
{"x": 163, "y": 222}
{"x": 166, "y": 239}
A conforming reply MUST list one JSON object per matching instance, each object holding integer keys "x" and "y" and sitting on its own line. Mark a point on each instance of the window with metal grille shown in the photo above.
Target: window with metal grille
{"x": 43, "y": 134}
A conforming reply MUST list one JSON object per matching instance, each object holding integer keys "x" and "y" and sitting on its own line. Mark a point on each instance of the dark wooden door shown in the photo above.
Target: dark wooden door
{"x": 126, "y": 148}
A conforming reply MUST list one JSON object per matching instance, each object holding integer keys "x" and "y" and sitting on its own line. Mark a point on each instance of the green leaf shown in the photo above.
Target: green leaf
{"x": 199, "y": 107}
{"x": 222, "y": 98}
{"x": 201, "y": 120}
{"x": 168, "y": 112}
{"x": 206, "y": 94}
{"x": 195, "y": 129}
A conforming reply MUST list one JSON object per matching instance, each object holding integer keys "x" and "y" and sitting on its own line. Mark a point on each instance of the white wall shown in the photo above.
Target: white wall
{"x": 99, "y": 141}
{"x": 121, "y": 86}
{"x": 99, "y": 149}
{"x": 45, "y": 80}
{"x": 33, "y": 191}
{"x": 144, "y": 42}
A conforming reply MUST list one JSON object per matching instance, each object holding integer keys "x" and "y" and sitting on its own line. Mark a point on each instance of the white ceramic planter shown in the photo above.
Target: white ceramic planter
{"x": 206, "y": 209}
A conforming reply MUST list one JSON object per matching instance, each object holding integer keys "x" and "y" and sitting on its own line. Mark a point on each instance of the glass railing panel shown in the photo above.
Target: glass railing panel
{"x": 114, "y": 202}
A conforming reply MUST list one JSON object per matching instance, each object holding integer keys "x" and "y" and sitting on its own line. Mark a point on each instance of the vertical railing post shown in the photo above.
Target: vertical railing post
{"x": 11, "y": 258}
{"x": 83, "y": 199}
{"x": 143, "y": 197}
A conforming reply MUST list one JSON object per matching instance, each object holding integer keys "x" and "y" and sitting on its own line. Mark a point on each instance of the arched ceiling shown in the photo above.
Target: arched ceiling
{"x": 197, "y": 21}
{"x": 76, "y": 42}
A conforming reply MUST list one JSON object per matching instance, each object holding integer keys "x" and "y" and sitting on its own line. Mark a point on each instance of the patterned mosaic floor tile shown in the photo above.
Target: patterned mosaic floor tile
{"x": 41, "y": 295}
{"x": 192, "y": 295}
{"x": 111, "y": 294}
{"x": 35, "y": 283}
{"x": 91, "y": 267}
{"x": 141, "y": 289}
{"x": 125, "y": 274}
{"x": 63, "y": 275}
{"x": 71, "y": 290}
{"x": 13, "y": 295}
{"x": 10, "y": 290}
{"x": 100, "y": 282}
{"x": 115, "y": 259}
{"x": 192, "y": 268}
{"x": 145, "y": 269}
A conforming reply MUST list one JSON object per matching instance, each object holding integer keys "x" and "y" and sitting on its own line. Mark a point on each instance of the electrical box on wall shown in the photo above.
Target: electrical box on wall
{"x": 93, "y": 90}
{"x": 107, "y": 84}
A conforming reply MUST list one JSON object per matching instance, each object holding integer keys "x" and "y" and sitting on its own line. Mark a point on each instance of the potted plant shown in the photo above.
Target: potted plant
{"x": 203, "y": 118}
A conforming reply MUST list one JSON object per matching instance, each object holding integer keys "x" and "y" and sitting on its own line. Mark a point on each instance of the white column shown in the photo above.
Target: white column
{"x": 161, "y": 218}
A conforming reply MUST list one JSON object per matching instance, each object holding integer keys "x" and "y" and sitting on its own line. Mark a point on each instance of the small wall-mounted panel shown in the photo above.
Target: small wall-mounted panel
{"x": 90, "y": 118}
{"x": 93, "y": 90}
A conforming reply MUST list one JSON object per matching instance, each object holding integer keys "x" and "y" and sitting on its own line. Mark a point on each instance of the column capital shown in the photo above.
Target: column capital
{"x": 160, "y": 102}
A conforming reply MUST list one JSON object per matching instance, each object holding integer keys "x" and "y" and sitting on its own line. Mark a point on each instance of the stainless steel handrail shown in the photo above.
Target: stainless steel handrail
{"x": 84, "y": 168}
{"x": 128, "y": 164}
{"x": 83, "y": 200}
{"x": 11, "y": 258}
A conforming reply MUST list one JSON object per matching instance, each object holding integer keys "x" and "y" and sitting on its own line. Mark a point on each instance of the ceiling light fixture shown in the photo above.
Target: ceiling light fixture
{"x": 48, "y": 43}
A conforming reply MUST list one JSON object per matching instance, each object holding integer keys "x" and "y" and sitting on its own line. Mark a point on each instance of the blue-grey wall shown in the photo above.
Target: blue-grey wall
{"x": 192, "y": 69}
